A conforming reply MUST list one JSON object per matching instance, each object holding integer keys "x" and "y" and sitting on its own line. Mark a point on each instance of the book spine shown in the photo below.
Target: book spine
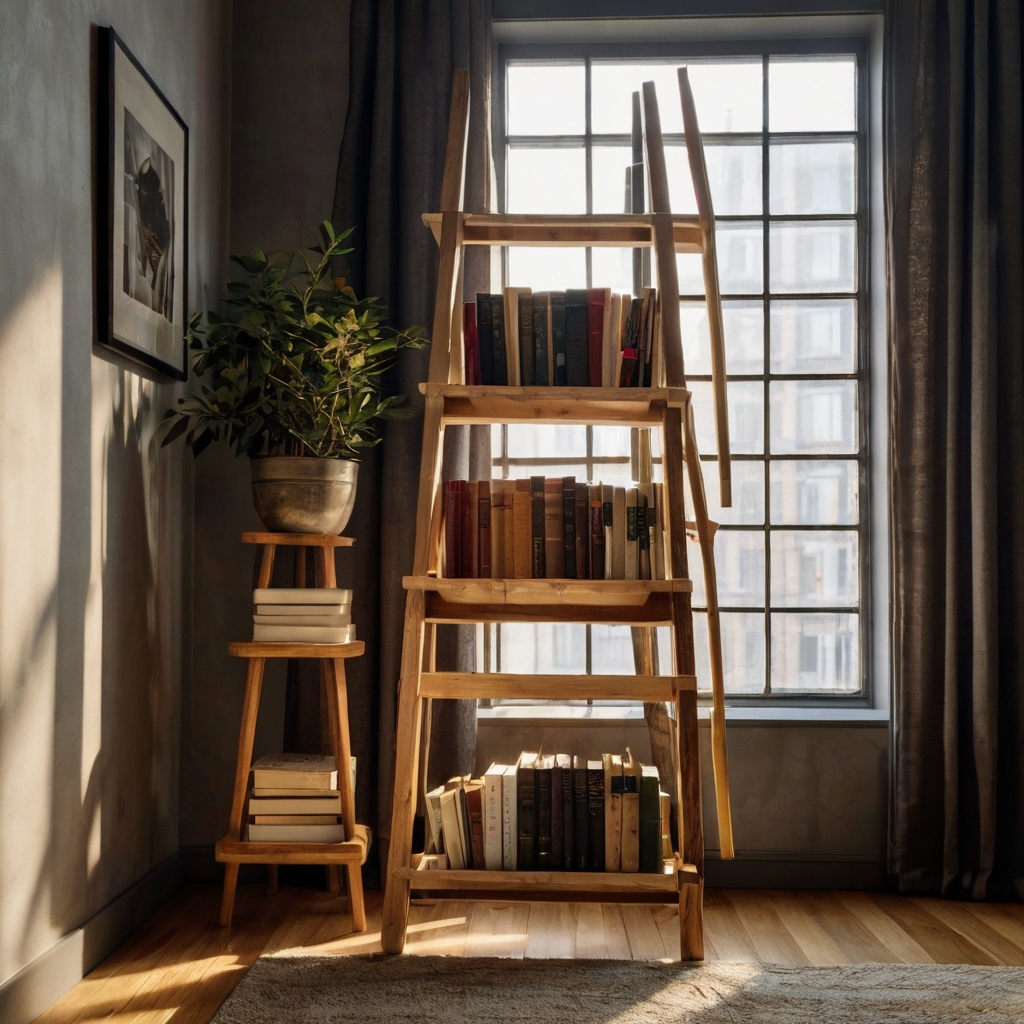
{"x": 452, "y": 531}
{"x": 608, "y": 508}
{"x": 581, "y": 816}
{"x": 485, "y": 341}
{"x": 568, "y": 821}
{"x": 470, "y": 529}
{"x": 498, "y": 511}
{"x": 497, "y": 304}
{"x": 631, "y": 819}
{"x": 541, "y": 301}
{"x": 643, "y": 540}
{"x": 595, "y": 815}
{"x": 657, "y": 522}
{"x": 470, "y": 343}
{"x": 576, "y": 338}
{"x": 526, "y": 815}
{"x": 582, "y": 502}
{"x": 596, "y": 533}
{"x": 557, "y": 826}
{"x": 526, "y": 352}
{"x": 537, "y": 527}
{"x": 542, "y": 780}
{"x": 483, "y": 504}
{"x": 509, "y": 827}
{"x": 558, "y": 338}
{"x": 474, "y": 806}
{"x": 569, "y": 527}
{"x": 595, "y": 336}
{"x": 554, "y": 541}
{"x": 650, "y": 822}
{"x": 612, "y": 812}
{"x": 510, "y": 301}
{"x": 631, "y": 534}
{"x": 492, "y": 822}
{"x": 509, "y": 571}
{"x": 522, "y": 532}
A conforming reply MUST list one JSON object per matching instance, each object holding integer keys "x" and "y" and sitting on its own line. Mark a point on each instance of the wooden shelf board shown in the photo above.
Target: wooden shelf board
{"x": 308, "y": 540}
{"x": 624, "y": 593}
{"x": 239, "y": 851}
{"x": 468, "y": 685}
{"x": 287, "y": 649}
{"x": 525, "y": 882}
{"x": 613, "y": 230}
{"x": 655, "y": 611}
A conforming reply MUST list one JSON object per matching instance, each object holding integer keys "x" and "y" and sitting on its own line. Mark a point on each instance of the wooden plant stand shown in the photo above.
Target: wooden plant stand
{"x": 232, "y": 850}
{"x": 432, "y": 599}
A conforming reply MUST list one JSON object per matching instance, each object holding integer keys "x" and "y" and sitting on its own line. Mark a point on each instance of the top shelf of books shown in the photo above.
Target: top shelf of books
{"x": 620, "y": 230}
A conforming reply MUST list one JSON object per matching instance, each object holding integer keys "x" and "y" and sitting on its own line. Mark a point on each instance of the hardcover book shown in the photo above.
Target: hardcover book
{"x": 596, "y": 298}
{"x": 568, "y": 863}
{"x": 595, "y": 815}
{"x": 451, "y": 829}
{"x": 492, "y": 816}
{"x": 498, "y": 345}
{"x": 569, "y": 527}
{"x": 470, "y": 343}
{"x": 608, "y": 506}
{"x": 554, "y": 541}
{"x": 475, "y": 811}
{"x": 632, "y": 553}
{"x": 484, "y": 528}
{"x": 612, "y": 811}
{"x": 645, "y": 529}
{"x": 630, "y": 813}
{"x": 596, "y": 533}
{"x": 511, "y": 302}
{"x": 619, "y": 533}
{"x": 452, "y": 529}
{"x": 509, "y": 820}
{"x": 526, "y": 811}
{"x": 557, "y": 813}
{"x": 470, "y": 541}
{"x": 561, "y": 369}
{"x": 581, "y": 816}
{"x": 485, "y": 341}
{"x": 582, "y": 531}
{"x": 576, "y": 337}
{"x": 650, "y": 820}
{"x": 541, "y": 342}
{"x": 526, "y": 343}
{"x": 296, "y": 833}
{"x": 295, "y": 771}
{"x": 537, "y": 542}
{"x": 543, "y": 783}
{"x": 522, "y": 531}
{"x": 499, "y": 510}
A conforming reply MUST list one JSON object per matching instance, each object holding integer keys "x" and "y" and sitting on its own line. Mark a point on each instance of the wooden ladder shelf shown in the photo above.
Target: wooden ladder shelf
{"x": 432, "y": 599}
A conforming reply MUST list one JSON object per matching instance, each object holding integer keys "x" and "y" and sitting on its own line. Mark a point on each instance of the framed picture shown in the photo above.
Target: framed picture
{"x": 142, "y": 243}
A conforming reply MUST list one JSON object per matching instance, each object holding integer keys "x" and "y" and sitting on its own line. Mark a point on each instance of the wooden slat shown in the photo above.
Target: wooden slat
{"x": 655, "y": 611}
{"x": 235, "y": 851}
{"x": 546, "y": 592}
{"x": 287, "y": 649}
{"x": 468, "y": 685}
{"x": 597, "y": 230}
{"x": 306, "y": 540}
{"x": 525, "y": 882}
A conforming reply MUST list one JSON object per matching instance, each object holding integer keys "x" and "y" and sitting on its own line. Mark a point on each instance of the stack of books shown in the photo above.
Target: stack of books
{"x": 579, "y": 338}
{"x": 553, "y": 528}
{"x": 552, "y": 813}
{"x": 295, "y": 799}
{"x": 312, "y": 616}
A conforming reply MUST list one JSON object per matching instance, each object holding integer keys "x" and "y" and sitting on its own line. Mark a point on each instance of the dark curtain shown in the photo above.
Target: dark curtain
{"x": 403, "y": 53}
{"x": 956, "y": 306}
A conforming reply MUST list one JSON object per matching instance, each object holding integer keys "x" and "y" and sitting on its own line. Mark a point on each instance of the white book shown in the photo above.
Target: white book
{"x": 301, "y": 595}
{"x": 658, "y": 534}
{"x": 619, "y": 534}
{"x": 326, "y": 621}
{"x": 493, "y": 839}
{"x": 451, "y": 814}
{"x": 433, "y": 801}
{"x": 273, "y": 791}
{"x": 632, "y": 552}
{"x": 304, "y": 634}
{"x": 303, "y": 609}
{"x": 295, "y": 819}
{"x": 295, "y": 805}
{"x": 296, "y": 833}
{"x": 509, "y": 820}
{"x": 295, "y": 771}
{"x": 608, "y": 500}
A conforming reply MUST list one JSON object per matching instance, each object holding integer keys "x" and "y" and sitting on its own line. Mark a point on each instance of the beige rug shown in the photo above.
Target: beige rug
{"x": 387, "y": 990}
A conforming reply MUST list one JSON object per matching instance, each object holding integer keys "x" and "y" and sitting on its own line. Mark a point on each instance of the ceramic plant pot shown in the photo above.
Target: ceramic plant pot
{"x": 294, "y": 494}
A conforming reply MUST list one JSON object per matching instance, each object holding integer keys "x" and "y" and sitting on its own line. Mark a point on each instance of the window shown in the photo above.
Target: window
{"x": 785, "y": 138}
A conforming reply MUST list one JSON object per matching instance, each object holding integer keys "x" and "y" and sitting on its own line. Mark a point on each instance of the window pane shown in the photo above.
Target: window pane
{"x": 818, "y": 257}
{"x": 609, "y": 164}
{"x": 814, "y": 568}
{"x": 742, "y": 651}
{"x": 611, "y": 440}
{"x": 546, "y": 99}
{"x": 747, "y": 493}
{"x": 544, "y": 269}
{"x": 816, "y": 652}
{"x": 740, "y": 268}
{"x": 812, "y": 95}
{"x": 813, "y": 336}
{"x": 734, "y": 174}
{"x": 746, "y": 417}
{"x": 818, "y": 492}
{"x": 545, "y": 647}
{"x": 739, "y": 563}
{"x": 744, "y": 336}
{"x": 817, "y": 417}
{"x": 547, "y": 181}
{"x": 561, "y": 440}
{"x": 495, "y": 440}
{"x": 612, "y": 268}
{"x": 523, "y": 470}
{"x": 611, "y": 650}
{"x": 618, "y": 473}
{"x": 817, "y": 177}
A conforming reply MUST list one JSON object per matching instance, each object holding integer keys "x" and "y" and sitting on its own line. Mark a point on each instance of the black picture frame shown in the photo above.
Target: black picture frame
{"x": 142, "y": 214}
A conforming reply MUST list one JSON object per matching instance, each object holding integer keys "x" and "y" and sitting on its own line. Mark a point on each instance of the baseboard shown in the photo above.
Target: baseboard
{"x": 766, "y": 872}
{"x": 42, "y": 982}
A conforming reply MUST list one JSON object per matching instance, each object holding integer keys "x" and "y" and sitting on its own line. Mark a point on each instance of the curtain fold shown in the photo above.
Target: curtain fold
{"x": 403, "y": 53}
{"x": 956, "y": 310}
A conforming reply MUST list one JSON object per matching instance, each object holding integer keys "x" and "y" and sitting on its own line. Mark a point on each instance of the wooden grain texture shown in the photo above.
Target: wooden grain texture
{"x": 546, "y": 881}
{"x": 468, "y": 685}
{"x": 307, "y": 540}
{"x": 237, "y": 851}
{"x": 546, "y": 592}
{"x": 655, "y": 611}
{"x": 287, "y": 649}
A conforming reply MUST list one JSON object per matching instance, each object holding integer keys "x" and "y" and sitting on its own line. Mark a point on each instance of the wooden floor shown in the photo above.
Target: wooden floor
{"x": 180, "y": 967}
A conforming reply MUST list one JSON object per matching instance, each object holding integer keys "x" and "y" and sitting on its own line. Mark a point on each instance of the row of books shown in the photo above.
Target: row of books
{"x": 580, "y": 337}
{"x": 552, "y": 528}
{"x": 295, "y": 799}
{"x": 552, "y": 813}
{"x": 307, "y": 615}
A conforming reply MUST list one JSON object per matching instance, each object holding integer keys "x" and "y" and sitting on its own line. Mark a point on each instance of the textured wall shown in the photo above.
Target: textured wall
{"x": 289, "y": 75}
{"x": 95, "y": 521}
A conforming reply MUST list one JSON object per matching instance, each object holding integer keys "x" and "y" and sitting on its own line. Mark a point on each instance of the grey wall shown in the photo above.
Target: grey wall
{"x": 95, "y": 520}
{"x": 289, "y": 75}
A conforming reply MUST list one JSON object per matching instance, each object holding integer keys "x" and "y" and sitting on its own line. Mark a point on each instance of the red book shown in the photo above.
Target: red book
{"x": 484, "y": 529}
{"x": 471, "y": 343}
{"x": 595, "y": 335}
{"x": 469, "y": 516}
{"x": 452, "y": 530}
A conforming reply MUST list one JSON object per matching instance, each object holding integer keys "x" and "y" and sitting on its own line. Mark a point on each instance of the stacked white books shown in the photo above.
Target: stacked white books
{"x": 312, "y": 616}
{"x": 295, "y": 799}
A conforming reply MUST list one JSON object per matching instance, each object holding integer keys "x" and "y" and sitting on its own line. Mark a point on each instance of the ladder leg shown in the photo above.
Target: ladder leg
{"x": 355, "y": 896}
{"x": 407, "y": 744}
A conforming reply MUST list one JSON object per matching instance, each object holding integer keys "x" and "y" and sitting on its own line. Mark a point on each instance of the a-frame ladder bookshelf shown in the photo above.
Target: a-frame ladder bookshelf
{"x": 432, "y": 599}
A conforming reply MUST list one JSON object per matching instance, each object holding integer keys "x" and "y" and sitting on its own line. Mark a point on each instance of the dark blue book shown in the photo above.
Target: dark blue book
{"x": 541, "y": 342}
{"x": 569, "y": 526}
{"x": 500, "y": 354}
{"x": 577, "y": 325}
{"x": 484, "y": 338}
{"x": 558, "y": 337}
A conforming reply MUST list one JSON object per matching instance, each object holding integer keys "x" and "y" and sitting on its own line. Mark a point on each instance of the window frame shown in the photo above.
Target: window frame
{"x": 857, "y": 45}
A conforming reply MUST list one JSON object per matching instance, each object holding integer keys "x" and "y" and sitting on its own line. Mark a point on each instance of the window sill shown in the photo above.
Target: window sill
{"x": 540, "y": 714}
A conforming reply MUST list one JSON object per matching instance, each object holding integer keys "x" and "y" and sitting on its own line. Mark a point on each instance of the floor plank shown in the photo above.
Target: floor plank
{"x": 806, "y": 930}
{"x": 770, "y": 936}
{"x": 903, "y": 947}
{"x": 944, "y": 945}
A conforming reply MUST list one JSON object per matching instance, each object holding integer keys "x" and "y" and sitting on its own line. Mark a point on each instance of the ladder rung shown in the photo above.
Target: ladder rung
{"x": 546, "y": 592}
{"x": 496, "y": 686}
{"x": 655, "y": 611}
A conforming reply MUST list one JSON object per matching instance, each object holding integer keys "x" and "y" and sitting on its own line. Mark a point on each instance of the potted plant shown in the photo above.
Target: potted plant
{"x": 291, "y": 377}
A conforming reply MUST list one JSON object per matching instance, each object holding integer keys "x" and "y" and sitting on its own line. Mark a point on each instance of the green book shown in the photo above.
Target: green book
{"x": 650, "y": 820}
